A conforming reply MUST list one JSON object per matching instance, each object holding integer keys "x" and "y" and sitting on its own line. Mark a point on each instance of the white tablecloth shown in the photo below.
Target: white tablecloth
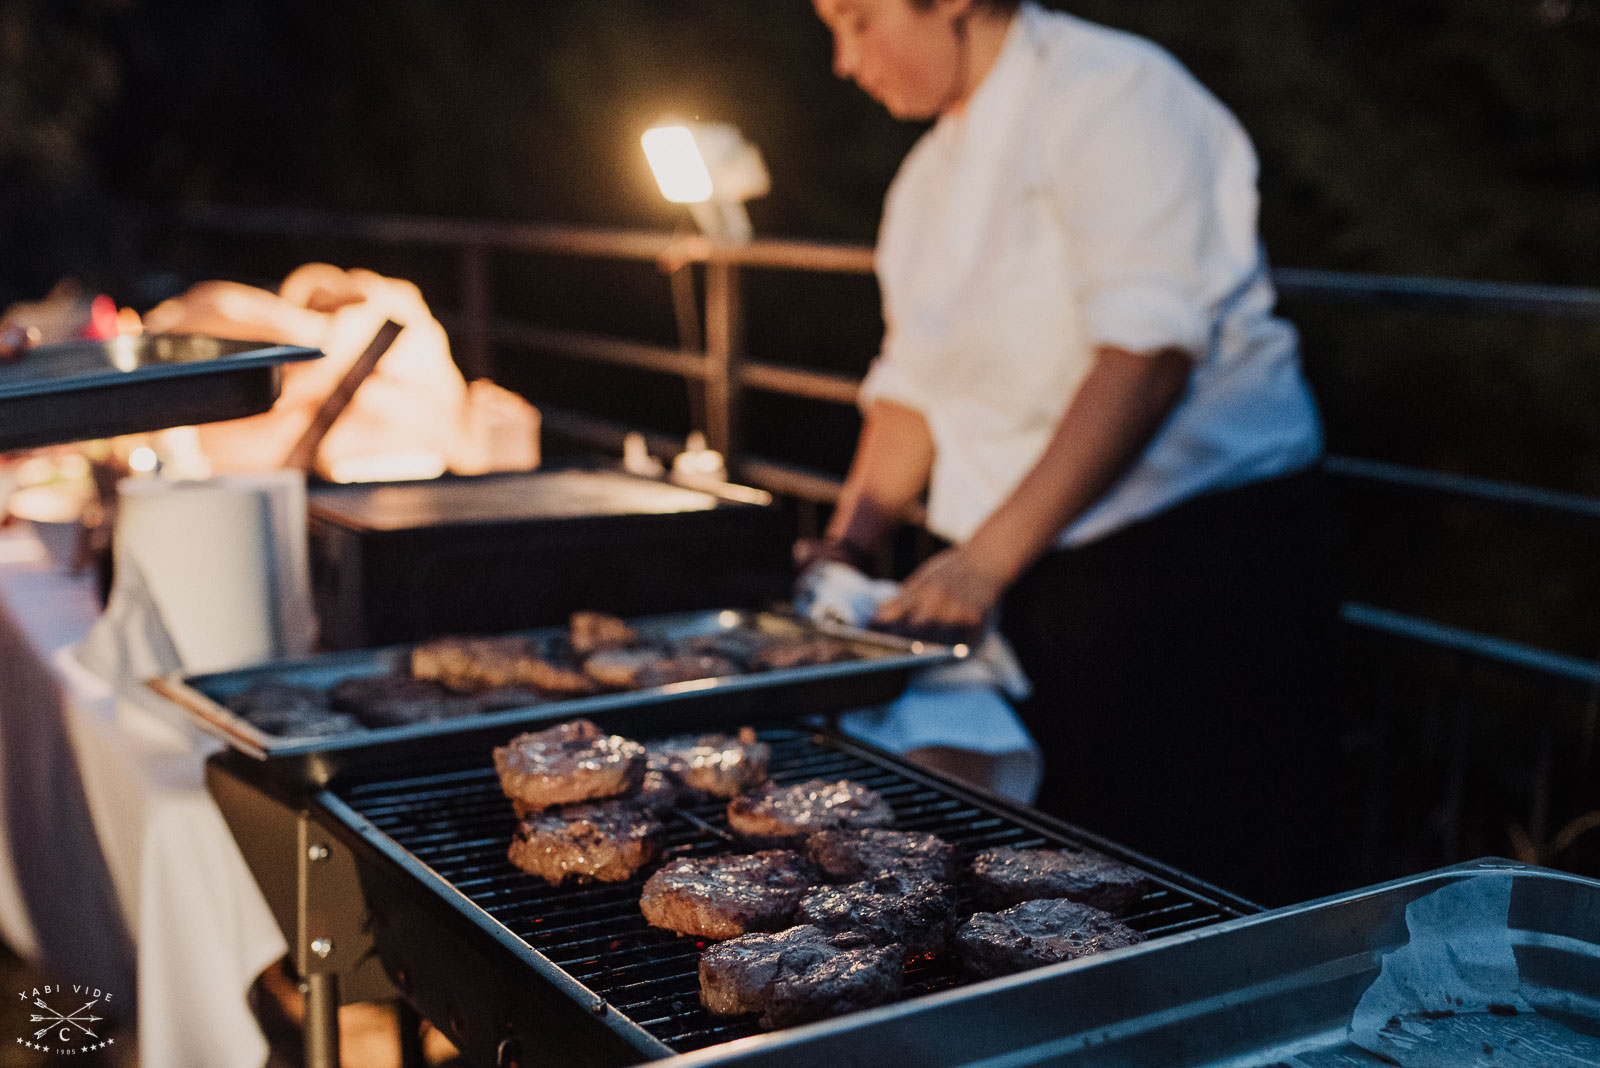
{"x": 121, "y": 871}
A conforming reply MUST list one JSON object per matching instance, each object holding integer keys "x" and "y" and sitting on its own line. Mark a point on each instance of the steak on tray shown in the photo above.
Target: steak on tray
{"x": 686, "y": 667}
{"x": 590, "y": 631}
{"x": 474, "y": 664}
{"x": 570, "y": 762}
{"x": 469, "y": 664}
{"x": 283, "y": 708}
{"x": 798, "y": 975}
{"x": 1036, "y": 933}
{"x": 772, "y": 812}
{"x": 723, "y": 896}
{"x": 619, "y": 669}
{"x": 785, "y": 653}
{"x": 397, "y": 700}
{"x": 1007, "y": 876}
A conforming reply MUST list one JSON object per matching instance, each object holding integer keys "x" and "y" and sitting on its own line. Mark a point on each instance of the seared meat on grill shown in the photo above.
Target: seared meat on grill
{"x": 723, "y": 896}
{"x": 1007, "y": 876}
{"x": 799, "y": 652}
{"x": 1036, "y": 933}
{"x": 778, "y": 812}
{"x": 571, "y": 762}
{"x": 798, "y": 975}
{"x": 608, "y": 841}
{"x": 286, "y": 710}
{"x": 900, "y": 908}
{"x": 657, "y": 794}
{"x": 599, "y": 630}
{"x": 397, "y": 700}
{"x": 864, "y": 852}
{"x": 716, "y": 764}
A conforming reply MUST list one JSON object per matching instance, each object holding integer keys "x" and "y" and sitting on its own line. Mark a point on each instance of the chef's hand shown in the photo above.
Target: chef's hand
{"x": 947, "y": 599}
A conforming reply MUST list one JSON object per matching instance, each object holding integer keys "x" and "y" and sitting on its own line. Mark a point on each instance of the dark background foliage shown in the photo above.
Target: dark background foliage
{"x": 1413, "y": 137}
{"x": 1417, "y": 137}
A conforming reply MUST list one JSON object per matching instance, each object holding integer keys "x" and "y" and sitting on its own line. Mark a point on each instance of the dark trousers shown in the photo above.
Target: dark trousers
{"x": 1183, "y": 691}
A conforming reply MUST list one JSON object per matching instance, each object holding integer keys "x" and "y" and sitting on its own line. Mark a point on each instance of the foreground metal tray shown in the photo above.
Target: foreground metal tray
{"x": 880, "y": 673}
{"x": 80, "y": 390}
{"x": 1274, "y": 990}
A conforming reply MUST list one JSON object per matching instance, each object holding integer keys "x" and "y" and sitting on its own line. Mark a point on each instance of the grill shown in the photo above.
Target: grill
{"x": 518, "y": 972}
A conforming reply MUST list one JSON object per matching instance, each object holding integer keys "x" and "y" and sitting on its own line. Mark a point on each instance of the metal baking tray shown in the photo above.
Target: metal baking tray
{"x": 79, "y": 390}
{"x": 1273, "y": 990}
{"x": 880, "y": 673}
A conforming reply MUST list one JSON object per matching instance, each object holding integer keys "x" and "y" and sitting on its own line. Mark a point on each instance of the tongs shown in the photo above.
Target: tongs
{"x": 304, "y": 453}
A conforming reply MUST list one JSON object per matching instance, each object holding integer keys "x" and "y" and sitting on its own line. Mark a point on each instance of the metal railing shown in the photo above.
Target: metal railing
{"x": 711, "y": 354}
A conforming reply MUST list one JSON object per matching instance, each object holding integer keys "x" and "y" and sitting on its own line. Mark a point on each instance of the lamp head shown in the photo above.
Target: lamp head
{"x": 710, "y": 167}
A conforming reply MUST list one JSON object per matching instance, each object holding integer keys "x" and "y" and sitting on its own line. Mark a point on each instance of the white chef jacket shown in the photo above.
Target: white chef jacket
{"x": 1090, "y": 193}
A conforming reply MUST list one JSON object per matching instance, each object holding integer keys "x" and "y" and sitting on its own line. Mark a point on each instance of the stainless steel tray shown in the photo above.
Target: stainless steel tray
{"x": 884, "y": 665}
{"x": 79, "y": 390}
{"x": 1275, "y": 989}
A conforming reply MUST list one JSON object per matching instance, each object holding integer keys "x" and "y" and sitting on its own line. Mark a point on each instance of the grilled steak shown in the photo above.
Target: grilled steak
{"x": 607, "y": 841}
{"x": 865, "y": 852}
{"x": 799, "y": 652}
{"x": 599, "y": 630}
{"x": 686, "y": 668}
{"x": 723, "y": 896}
{"x": 773, "y": 812}
{"x": 658, "y": 794}
{"x": 619, "y": 669}
{"x": 1006, "y": 876}
{"x": 556, "y": 669}
{"x": 739, "y": 644}
{"x": 1036, "y": 933}
{"x": 470, "y": 665}
{"x": 716, "y": 764}
{"x": 903, "y": 909}
{"x": 571, "y": 762}
{"x": 798, "y": 975}
{"x": 504, "y": 697}
{"x": 287, "y": 710}
{"x": 397, "y": 700}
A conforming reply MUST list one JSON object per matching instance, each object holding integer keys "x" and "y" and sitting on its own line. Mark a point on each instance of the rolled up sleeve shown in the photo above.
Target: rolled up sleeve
{"x": 889, "y": 379}
{"x": 1137, "y": 187}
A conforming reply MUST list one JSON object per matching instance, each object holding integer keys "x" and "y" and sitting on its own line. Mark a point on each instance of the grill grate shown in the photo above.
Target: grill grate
{"x": 458, "y": 823}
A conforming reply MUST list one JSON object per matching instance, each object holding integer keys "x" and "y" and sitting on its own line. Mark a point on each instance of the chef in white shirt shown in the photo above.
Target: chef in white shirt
{"x": 1082, "y": 370}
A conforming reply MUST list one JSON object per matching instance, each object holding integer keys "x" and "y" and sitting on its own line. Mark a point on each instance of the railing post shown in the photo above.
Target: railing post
{"x": 474, "y": 357}
{"x": 724, "y": 351}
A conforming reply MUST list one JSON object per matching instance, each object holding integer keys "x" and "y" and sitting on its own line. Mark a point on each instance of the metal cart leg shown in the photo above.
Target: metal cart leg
{"x": 411, "y": 1055}
{"x": 322, "y": 1020}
